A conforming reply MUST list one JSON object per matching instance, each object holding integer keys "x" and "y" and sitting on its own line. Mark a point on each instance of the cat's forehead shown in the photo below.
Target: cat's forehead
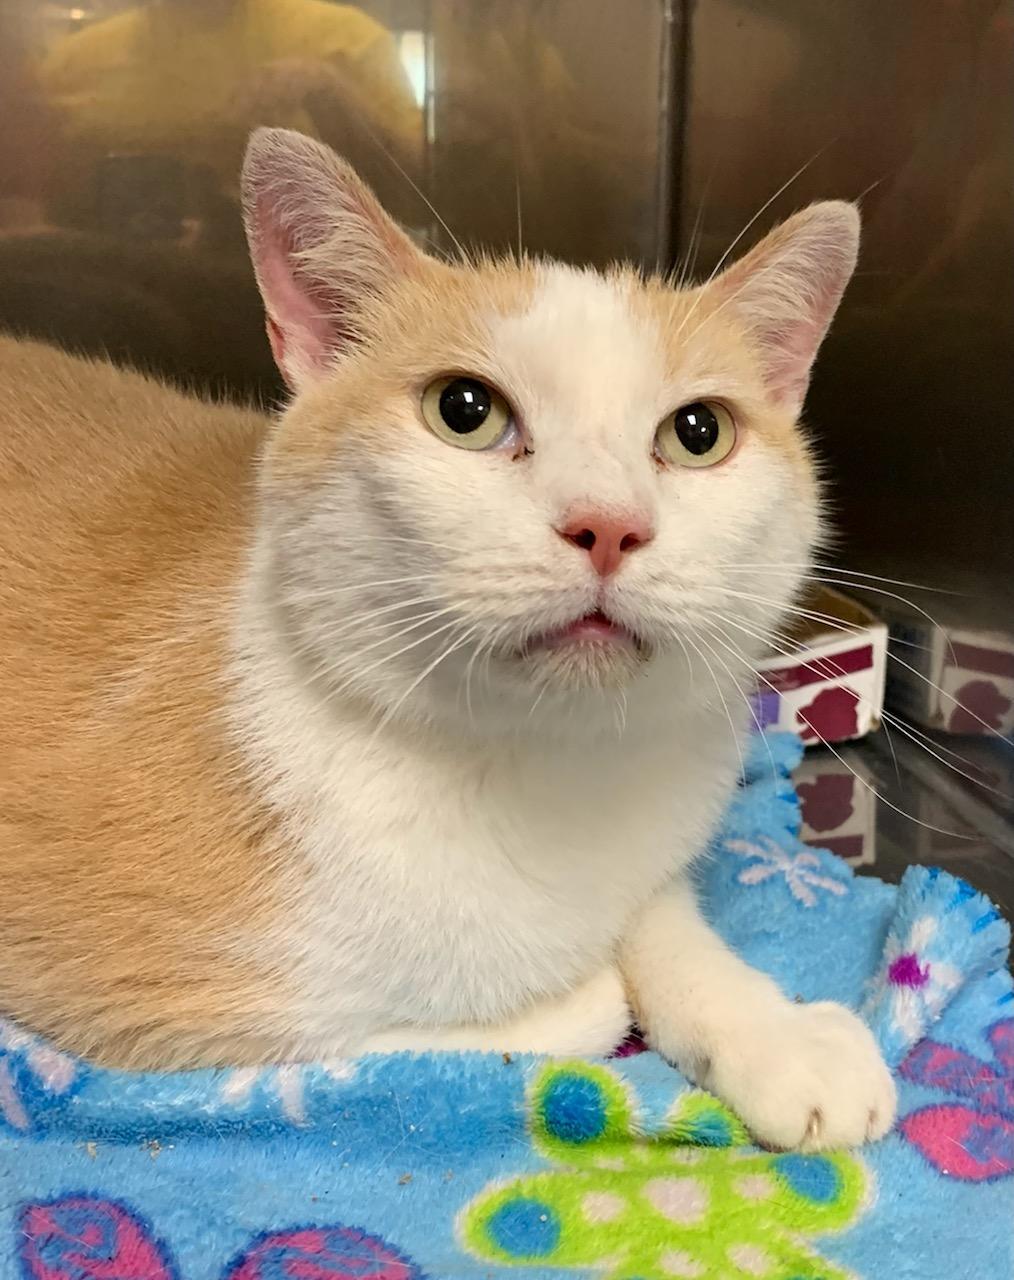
{"x": 579, "y": 334}
{"x": 587, "y": 341}
{"x": 546, "y": 332}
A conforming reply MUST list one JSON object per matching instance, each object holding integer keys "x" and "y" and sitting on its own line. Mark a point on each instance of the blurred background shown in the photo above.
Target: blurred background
{"x": 654, "y": 130}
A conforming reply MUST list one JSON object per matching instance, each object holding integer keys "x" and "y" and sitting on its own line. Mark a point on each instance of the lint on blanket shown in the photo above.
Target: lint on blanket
{"x": 456, "y": 1166}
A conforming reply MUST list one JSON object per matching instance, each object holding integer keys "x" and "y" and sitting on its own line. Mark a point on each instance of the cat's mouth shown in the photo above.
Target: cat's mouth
{"x": 596, "y": 629}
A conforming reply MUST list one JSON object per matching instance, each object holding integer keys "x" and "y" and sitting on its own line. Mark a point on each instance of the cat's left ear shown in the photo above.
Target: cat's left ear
{"x": 321, "y": 246}
{"x": 786, "y": 290}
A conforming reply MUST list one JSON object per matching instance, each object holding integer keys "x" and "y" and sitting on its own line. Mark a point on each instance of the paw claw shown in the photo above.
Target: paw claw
{"x": 811, "y": 1138}
{"x": 808, "y": 1077}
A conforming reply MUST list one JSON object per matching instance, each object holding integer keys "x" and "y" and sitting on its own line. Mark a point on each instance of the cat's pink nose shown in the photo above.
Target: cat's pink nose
{"x": 606, "y": 537}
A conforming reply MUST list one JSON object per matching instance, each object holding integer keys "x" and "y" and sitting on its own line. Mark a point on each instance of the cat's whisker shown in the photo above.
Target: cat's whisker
{"x": 427, "y": 543}
{"x": 893, "y": 595}
{"x": 393, "y": 160}
{"x": 807, "y": 566}
{"x": 453, "y": 647}
{"x": 351, "y": 621}
{"x": 466, "y": 560}
{"x": 725, "y": 707}
{"x": 989, "y": 729}
{"x": 927, "y": 745}
{"x": 815, "y": 615}
{"x": 797, "y": 646}
{"x": 621, "y": 708}
{"x": 467, "y": 680}
{"x": 498, "y": 635}
{"x": 956, "y": 755}
{"x": 325, "y": 671}
{"x": 889, "y": 719}
{"x": 743, "y": 694}
{"x": 517, "y": 205}
{"x": 538, "y": 698}
{"x": 483, "y": 646}
{"x": 351, "y": 624}
{"x": 299, "y": 633}
{"x": 414, "y": 626}
{"x": 890, "y": 743}
{"x": 955, "y": 835}
{"x": 722, "y": 306}
{"x": 893, "y": 657}
{"x": 352, "y": 680}
{"x": 330, "y": 593}
{"x": 680, "y": 280}
{"x": 881, "y": 591}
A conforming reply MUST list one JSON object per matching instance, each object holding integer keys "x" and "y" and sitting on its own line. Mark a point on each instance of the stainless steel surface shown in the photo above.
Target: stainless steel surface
{"x": 488, "y": 122}
{"x": 121, "y": 135}
{"x": 553, "y": 107}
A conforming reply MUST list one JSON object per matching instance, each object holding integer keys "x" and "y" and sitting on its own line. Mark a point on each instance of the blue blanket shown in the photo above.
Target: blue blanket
{"x": 401, "y": 1168}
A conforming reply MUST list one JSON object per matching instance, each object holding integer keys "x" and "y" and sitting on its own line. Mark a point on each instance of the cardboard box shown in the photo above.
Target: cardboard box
{"x": 951, "y": 644}
{"x": 833, "y": 689}
{"x": 838, "y": 811}
{"x": 963, "y": 679}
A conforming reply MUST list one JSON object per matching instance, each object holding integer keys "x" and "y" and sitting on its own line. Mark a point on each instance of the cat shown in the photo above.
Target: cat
{"x": 389, "y": 724}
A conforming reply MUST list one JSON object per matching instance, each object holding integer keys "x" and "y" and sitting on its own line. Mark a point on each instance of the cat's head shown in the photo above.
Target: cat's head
{"x": 501, "y": 482}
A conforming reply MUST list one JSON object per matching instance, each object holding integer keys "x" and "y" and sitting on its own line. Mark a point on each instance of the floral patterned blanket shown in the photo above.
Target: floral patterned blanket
{"x": 401, "y": 1168}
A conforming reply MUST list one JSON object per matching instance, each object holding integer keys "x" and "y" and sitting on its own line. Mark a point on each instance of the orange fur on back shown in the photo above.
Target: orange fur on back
{"x": 129, "y": 840}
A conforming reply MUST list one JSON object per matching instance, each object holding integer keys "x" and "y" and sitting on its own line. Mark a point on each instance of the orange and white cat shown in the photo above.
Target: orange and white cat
{"x": 387, "y": 723}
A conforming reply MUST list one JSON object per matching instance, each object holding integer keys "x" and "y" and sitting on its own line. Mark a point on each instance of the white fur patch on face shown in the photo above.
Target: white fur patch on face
{"x": 589, "y": 380}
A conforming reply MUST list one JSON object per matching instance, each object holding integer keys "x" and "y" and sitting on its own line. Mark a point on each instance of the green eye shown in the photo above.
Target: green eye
{"x": 698, "y": 435}
{"x": 466, "y": 413}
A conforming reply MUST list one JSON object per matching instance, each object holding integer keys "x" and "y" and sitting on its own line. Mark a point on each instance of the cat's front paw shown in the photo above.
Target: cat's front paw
{"x": 803, "y": 1077}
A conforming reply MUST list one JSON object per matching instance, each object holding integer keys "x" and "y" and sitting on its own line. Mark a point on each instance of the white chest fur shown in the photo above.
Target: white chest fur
{"x": 437, "y": 882}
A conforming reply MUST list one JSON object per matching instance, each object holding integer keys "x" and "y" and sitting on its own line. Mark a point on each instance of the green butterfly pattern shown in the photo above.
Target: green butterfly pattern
{"x": 693, "y": 1199}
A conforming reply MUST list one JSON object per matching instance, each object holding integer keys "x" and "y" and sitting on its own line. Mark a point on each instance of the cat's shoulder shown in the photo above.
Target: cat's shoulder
{"x": 60, "y": 411}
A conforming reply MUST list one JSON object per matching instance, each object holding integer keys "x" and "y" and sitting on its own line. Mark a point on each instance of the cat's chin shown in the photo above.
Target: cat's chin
{"x": 592, "y": 651}
{"x": 588, "y": 661}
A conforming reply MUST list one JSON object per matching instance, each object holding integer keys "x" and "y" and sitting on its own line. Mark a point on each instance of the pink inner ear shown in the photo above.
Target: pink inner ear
{"x": 787, "y": 343}
{"x": 303, "y": 335}
{"x": 790, "y": 352}
{"x": 277, "y": 340}
{"x": 320, "y": 245}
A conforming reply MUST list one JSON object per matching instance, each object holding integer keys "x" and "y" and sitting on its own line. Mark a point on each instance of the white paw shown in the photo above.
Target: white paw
{"x": 806, "y": 1077}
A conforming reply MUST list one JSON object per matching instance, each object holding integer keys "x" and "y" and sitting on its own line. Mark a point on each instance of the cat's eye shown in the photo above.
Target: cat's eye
{"x": 697, "y": 435}
{"x": 467, "y": 413}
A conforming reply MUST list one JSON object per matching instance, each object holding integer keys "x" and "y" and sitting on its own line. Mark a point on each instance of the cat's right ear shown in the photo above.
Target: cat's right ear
{"x": 320, "y": 243}
{"x": 786, "y": 290}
